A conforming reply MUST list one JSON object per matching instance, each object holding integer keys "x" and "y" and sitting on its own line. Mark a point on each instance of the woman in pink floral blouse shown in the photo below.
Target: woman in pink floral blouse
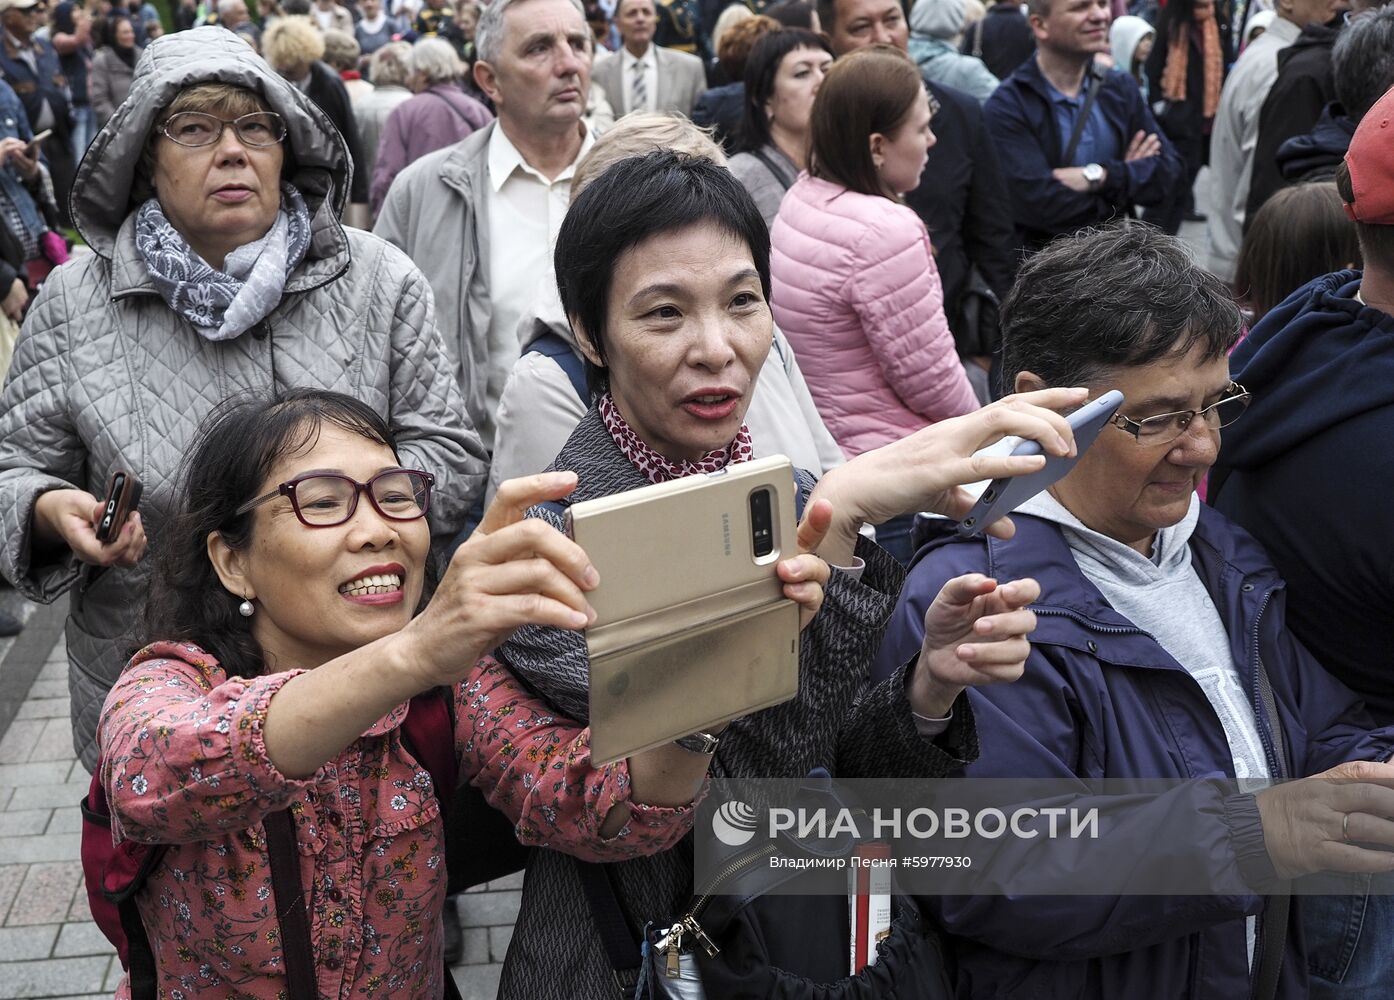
{"x": 284, "y": 604}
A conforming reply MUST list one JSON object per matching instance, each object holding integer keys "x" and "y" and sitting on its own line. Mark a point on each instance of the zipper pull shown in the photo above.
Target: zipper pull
{"x": 671, "y": 968}
{"x": 708, "y": 945}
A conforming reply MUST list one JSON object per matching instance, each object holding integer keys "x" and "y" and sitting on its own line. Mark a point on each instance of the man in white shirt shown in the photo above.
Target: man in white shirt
{"x": 480, "y": 217}
{"x": 643, "y": 76}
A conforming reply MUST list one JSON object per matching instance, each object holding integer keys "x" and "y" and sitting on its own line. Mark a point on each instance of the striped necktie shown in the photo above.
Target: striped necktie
{"x": 640, "y": 100}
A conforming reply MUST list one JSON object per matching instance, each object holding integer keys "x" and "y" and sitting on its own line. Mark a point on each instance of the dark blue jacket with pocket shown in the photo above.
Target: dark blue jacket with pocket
{"x": 1101, "y": 698}
{"x": 1030, "y": 146}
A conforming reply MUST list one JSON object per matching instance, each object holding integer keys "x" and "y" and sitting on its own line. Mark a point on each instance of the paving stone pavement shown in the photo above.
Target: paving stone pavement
{"x": 49, "y": 946}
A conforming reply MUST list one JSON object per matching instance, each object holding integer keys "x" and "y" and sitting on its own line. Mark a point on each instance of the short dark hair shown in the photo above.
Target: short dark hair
{"x": 236, "y": 448}
{"x": 1300, "y": 233}
{"x": 792, "y": 14}
{"x": 631, "y": 201}
{"x": 827, "y": 14}
{"x": 867, "y": 91}
{"x": 1362, "y": 61}
{"x": 1116, "y": 297}
{"x": 1376, "y": 242}
{"x": 761, "y": 68}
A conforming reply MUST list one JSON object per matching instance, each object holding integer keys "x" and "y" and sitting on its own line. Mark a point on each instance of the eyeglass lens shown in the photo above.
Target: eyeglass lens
{"x": 328, "y": 500}
{"x": 1167, "y": 426}
{"x": 194, "y": 128}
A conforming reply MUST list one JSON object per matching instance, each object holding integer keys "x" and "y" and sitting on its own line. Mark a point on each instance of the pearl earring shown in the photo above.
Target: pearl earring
{"x": 246, "y": 609}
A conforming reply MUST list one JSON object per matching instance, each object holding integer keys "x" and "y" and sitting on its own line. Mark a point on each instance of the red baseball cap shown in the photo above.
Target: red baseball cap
{"x": 1370, "y": 160}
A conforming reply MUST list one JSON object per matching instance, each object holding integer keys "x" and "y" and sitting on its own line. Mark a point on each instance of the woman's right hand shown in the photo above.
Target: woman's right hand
{"x": 1305, "y": 825}
{"x": 14, "y": 302}
{"x": 70, "y": 517}
{"x": 927, "y": 470}
{"x": 512, "y": 571}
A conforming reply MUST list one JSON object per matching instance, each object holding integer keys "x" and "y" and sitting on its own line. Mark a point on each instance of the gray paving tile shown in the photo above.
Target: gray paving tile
{"x": 66, "y": 820}
{"x": 47, "y": 772}
{"x": 478, "y": 982}
{"x": 5, "y": 794}
{"x": 44, "y": 896}
{"x": 55, "y": 976}
{"x": 80, "y": 910}
{"x": 55, "y": 742}
{"x": 55, "y": 670}
{"x": 11, "y": 878}
{"x": 20, "y": 944}
{"x": 48, "y": 796}
{"x": 82, "y": 939}
{"x": 22, "y": 822}
{"x": 476, "y": 946}
{"x": 43, "y": 848}
{"x": 20, "y": 739}
{"x": 49, "y": 689}
{"x": 113, "y": 976}
{"x": 44, "y": 708}
{"x": 514, "y": 881}
{"x": 489, "y": 909}
{"x": 499, "y": 939}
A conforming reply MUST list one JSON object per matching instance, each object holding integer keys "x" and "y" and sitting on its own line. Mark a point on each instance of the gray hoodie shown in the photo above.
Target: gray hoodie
{"x": 106, "y": 376}
{"x": 934, "y": 24}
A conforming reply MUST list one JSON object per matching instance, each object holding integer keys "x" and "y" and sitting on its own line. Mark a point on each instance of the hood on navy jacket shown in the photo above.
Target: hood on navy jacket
{"x": 1316, "y": 155}
{"x": 1316, "y": 345}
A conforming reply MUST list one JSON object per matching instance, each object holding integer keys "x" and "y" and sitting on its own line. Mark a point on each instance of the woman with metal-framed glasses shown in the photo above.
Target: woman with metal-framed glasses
{"x": 210, "y": 200}
{"x": 1161, "y": 652}
{"x": 287, "y": 632}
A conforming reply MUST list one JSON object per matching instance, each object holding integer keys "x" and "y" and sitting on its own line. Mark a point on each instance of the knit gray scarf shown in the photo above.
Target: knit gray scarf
{"x": 224, "y": 304}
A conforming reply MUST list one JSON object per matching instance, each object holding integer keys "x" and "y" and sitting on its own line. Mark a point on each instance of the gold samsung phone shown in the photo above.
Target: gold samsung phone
{"x": 692, "y": 626}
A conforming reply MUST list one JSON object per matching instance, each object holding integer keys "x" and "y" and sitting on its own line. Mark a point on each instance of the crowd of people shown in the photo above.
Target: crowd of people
{"x": 366, "y": 292}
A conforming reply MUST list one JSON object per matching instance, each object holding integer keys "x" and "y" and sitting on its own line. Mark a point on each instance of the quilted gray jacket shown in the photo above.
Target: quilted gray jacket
{"x": 106, "y": 376}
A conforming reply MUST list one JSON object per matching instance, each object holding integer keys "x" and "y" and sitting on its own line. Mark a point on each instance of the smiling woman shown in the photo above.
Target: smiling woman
{"x": 288, "y": 628}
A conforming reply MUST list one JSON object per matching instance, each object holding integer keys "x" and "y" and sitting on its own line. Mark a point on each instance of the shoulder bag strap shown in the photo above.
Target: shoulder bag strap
{"x": 621, "y": 944}
{"x": 290, "y": 905}
{"x": 1084, "y": 113}
{"x": 550, "y": 345}
{"x": 451, "y": 105}
{"x": 772, "y": 167}
{"x": 1273, "y": 929}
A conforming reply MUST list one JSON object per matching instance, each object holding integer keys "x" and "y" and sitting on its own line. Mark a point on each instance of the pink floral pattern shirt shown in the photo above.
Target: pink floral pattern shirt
{"x": 184, "y": 764}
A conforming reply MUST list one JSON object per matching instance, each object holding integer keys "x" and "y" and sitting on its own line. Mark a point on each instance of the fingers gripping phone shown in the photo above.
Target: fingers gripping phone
{"x": 122, "y": 497}
{"x": 1003, "y": 496}
{"x": 31, "y": 148}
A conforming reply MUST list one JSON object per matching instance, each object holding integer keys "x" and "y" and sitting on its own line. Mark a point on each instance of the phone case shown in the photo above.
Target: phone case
{"x": 692, "y": 628}
{"x": 122, "y": 496}
{"x": 1002, "y": 496}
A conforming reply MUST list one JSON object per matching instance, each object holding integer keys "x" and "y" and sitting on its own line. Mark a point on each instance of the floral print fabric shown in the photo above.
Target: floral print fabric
{"x": 183, "y": 763}
{"x": 655, "y": 467}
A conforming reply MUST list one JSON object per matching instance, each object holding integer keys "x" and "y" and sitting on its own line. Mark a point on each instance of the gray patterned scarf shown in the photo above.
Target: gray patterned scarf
{"x": 224, "y": 304}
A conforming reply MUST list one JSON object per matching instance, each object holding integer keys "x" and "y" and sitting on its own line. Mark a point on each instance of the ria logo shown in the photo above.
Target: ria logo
{"x": 734, "y": 824}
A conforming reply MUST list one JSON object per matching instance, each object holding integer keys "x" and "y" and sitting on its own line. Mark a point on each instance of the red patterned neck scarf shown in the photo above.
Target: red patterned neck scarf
{"x": 654, "y": 466}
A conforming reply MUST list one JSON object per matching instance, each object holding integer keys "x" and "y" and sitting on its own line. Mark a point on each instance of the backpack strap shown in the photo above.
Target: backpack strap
{"x": 773, "y": 168}
{"x": 550, "y": 345}
{"x": 291, "y": 914}
{"x": 621, "y": 944}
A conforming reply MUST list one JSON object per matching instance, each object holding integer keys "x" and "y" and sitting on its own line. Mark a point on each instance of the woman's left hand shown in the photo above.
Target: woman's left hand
{"x": 806, "y": 575}
{"x": 975, "y": 633}
{"x": 16, "y": 151}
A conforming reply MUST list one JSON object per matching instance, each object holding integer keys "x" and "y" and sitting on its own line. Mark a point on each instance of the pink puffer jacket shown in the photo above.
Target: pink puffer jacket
{"x": 856, "y": 291}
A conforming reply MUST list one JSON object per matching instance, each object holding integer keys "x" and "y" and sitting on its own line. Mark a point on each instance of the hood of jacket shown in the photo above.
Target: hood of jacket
{"x": 1316, "y": 360}
{"x": 1324, "y": 147}
{"x": 1123, "y": 37}
{"x": 941, "y": 19}
{"x": 317, "y": 157}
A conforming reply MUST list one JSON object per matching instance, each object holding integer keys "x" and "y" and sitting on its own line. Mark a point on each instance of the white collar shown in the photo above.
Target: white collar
{"x": 504, "y": 158}
{"x": 631, "y": 60}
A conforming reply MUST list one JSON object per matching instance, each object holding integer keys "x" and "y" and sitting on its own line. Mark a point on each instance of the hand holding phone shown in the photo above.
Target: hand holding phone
{"x": 32, "y": 147}
{"x": 1003, "y": 496}
{"x": 122, "y": 497}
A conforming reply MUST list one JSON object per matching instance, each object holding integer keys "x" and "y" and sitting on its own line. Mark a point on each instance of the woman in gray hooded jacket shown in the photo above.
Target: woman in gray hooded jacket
{"x": 934, "y": 29}
{"x": 211, "y": 202}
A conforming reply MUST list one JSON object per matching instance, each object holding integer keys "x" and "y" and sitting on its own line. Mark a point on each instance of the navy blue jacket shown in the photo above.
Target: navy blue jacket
{"x": 1101, "y": 698}
{"x": 722, "y": 109}
{"x": 1316, "y": 155}
{"x": 1029, "y": 146}
{"x": 1309, "y": 471}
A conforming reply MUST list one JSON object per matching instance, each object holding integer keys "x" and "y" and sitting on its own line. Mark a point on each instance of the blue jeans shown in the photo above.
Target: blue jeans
{"x": 83, "y": 130}
{"x": 1348, "y": 952}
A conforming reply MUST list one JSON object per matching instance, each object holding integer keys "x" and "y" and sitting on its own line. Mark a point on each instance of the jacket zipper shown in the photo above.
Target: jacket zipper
{"x": 670, "y": 945}
{"x": 1264, "y": 704}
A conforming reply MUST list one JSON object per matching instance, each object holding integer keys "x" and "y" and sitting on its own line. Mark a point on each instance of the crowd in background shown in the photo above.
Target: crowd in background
{"x": 636, "y": 240}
